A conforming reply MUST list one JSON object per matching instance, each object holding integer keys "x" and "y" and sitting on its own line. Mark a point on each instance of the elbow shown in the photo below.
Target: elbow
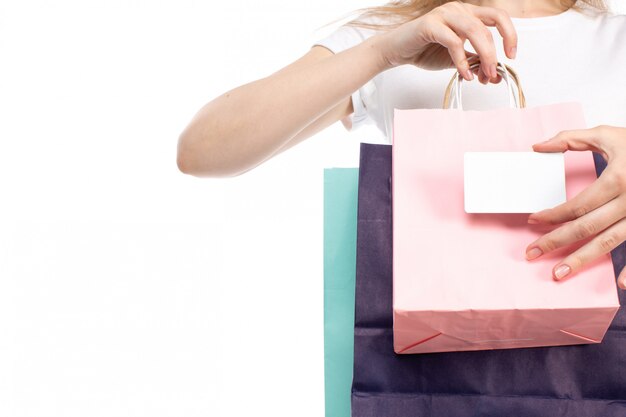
{"x": 184, "y": 155}
{"x": 194, "y": 157}
{"x": 189, "y": 159}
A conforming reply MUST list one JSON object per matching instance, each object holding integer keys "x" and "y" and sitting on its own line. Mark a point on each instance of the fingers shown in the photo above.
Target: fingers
{"x": 447, "y": 37}
{"x": 471, "y": 28}
{"x": 491, "y": 16}
{"x": 461, "y": 58}
{"x": 577, "y": 140}
{"x": 598, "y": 139}
{"x": 581, "y": 228}
{"x": 485, "y": 79}
{"x": 469, "y": 22}
{"x": 602, "y": 244}
{"x": 461, "y": 19}
{"x": 597, "y": 194}
{"x": 599, "y": 210}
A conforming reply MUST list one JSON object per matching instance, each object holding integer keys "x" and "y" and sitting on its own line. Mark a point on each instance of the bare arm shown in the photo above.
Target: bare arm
{"x": 248, "y": 125}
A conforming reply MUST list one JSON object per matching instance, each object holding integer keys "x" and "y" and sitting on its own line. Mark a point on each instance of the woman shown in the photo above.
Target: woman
{"x": 567, "y": 52}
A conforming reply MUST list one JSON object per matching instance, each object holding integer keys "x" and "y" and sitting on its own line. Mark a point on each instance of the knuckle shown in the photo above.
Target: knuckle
{"x": 584, "y": 230}
{"x": 432, "y": 20}
{"x": 438, "y": 11}
{"x": 474, "y": 29}
{"x": 456, "y": 42}
{"x": 501, "y": 14}
{"x": 602, "y": 128}
{"x": 437, "y": 14}
{"x": 616, "y": 180}
{"x": 575, "y": 261}
{"x": 456, "y": 5}
{"x": 608, "y": 242}
{"x": 487, "y": 34}
{"x": 563, "y": 134}
{"x": 487, "y": 57}
{"x": 620, "y": 181}
{"x": 602, "y": 131}
{"x": 610, "y": 178}
{"x": 450, "y": 6}
{"x": 548, "y": 245}
{"x": 579, "y": 211}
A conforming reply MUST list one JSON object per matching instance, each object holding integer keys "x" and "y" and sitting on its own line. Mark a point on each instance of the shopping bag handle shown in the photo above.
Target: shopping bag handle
{"x": 509, "y": 76}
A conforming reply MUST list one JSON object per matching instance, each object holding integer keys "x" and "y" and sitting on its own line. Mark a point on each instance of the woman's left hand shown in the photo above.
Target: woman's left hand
{"x": 599, "y": 211}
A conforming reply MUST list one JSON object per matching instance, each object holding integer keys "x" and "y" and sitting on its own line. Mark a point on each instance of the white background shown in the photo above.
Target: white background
{"x": 126, "y": 287}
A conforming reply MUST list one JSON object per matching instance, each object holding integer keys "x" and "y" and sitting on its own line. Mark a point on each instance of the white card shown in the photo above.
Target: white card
{"x": 513, "y": 182}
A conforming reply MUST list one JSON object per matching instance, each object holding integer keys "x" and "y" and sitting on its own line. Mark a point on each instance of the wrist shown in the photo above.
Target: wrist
{"x": 375, "y": 48}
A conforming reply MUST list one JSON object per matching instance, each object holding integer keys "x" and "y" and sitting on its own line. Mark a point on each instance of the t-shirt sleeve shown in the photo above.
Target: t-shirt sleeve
{"x": 345, "y": 37}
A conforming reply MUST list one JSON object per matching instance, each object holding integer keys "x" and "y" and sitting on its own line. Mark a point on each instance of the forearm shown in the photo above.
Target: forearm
{"x": 246, "y": 125}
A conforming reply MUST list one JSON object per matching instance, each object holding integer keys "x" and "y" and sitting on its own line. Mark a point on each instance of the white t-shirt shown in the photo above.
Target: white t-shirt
{"x": 571, "y": 56}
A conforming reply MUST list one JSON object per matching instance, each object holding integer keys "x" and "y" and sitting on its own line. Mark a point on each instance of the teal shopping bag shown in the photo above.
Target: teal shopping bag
{"x": 340, "y": 212}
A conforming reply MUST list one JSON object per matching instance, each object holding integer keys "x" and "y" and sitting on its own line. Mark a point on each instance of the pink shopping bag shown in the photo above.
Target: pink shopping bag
{"x": 461, "y": 281}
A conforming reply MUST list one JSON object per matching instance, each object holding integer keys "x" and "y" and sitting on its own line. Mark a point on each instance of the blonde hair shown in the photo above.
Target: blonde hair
{"x": 397, "y": 12}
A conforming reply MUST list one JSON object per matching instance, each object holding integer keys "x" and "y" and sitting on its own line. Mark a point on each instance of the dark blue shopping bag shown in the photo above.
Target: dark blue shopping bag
{"x": 563, "y": 381}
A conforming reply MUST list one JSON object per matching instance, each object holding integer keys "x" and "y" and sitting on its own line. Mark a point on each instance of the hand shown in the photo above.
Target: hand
{"x": 598, "y": 212}
{"x": 435, "y": 40}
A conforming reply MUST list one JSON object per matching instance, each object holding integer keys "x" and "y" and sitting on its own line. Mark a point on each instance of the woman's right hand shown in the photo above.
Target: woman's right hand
{"x": 435, "y": 40}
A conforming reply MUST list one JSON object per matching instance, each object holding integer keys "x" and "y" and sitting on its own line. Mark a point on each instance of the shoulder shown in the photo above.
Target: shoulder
{"x": 607, "y": 18}
{"x": 601, "y": 30}
{"x": 614, "y": 20}
{"x": 352, "y": 33}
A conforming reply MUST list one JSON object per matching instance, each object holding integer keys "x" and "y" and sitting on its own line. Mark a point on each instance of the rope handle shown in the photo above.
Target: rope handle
{"x": 510, "y": 77}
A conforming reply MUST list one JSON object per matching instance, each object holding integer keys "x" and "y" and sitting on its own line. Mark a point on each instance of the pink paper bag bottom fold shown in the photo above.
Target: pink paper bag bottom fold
{"x": 418, "y": 332}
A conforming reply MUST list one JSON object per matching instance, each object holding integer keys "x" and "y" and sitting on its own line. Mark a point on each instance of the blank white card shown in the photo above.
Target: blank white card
{"x": 513, "y": 182}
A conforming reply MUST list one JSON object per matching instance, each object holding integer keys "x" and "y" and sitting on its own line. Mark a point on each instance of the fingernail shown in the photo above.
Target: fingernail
{"x": 513, "y": 51}
{"x": 532, "y": 221}
{"x": 562, "y": 271}
{"x": 469, "y": 75}
{"x": 533, "y": 253}
{"x": 494, "y": 71}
